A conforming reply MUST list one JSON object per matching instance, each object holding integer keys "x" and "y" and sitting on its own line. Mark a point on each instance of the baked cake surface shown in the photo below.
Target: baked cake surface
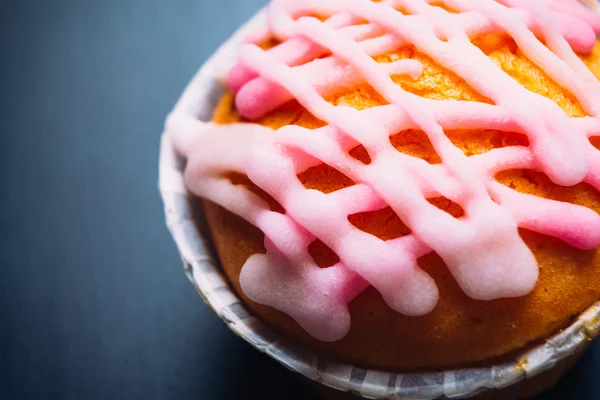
{"x": 463, "y": 323}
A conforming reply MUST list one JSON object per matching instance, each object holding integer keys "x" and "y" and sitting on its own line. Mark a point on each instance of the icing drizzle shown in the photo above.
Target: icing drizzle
{"x": 482, "y": 249}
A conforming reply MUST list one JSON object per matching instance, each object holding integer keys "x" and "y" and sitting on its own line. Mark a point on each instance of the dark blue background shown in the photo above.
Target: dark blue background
{"x": 94, "y": 303}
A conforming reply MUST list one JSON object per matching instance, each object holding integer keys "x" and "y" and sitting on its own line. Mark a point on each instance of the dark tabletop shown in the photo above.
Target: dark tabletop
{"x": 94, "y": 303}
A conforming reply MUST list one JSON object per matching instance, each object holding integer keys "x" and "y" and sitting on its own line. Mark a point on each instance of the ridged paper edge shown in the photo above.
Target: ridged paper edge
{"x": 185, "y": 222}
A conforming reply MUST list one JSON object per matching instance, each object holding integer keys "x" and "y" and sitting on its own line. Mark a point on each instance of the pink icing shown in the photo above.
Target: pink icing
{"x": 483, "y": 249}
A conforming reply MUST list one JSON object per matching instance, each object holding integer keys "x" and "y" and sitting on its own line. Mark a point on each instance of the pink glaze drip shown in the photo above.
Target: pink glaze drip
{"x": 483, "y": 249}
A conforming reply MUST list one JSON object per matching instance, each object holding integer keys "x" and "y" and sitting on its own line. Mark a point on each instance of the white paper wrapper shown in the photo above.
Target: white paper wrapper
{"x": 185, "y": 224}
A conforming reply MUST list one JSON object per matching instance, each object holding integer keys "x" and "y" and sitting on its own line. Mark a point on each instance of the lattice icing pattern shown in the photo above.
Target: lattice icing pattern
{"x": 482, "y": 249}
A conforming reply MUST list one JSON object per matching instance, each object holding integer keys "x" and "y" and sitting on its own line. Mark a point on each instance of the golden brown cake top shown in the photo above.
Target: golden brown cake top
{"x": 467, "y": 92}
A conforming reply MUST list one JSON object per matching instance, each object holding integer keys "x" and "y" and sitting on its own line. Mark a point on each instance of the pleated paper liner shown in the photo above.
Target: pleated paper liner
{"x": 534, "y": 370}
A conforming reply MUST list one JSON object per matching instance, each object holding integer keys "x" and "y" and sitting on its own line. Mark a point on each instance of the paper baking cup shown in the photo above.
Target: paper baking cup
{"x": 184, "y": 218}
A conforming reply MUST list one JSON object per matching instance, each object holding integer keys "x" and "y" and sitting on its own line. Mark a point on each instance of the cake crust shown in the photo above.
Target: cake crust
{"x": 460, "y": 331}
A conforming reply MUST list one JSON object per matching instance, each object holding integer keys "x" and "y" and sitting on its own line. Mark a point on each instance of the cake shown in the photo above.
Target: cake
{"x": 408, "y": 185}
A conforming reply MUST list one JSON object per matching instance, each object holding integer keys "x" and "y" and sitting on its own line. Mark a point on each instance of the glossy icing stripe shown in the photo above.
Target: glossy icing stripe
{"x": 474, "y": 247}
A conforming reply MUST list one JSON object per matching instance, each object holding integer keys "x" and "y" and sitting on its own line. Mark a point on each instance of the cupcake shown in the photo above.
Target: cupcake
{"x": 408, "y": 185}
